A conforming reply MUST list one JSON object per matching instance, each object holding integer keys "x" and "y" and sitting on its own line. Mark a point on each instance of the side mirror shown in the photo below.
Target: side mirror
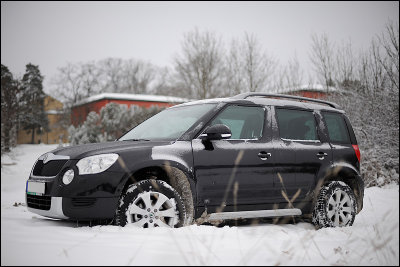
{"x": 216, "y": 132}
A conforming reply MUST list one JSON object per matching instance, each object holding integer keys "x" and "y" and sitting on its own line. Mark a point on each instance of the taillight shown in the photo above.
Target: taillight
{"x": 357, "y": 150}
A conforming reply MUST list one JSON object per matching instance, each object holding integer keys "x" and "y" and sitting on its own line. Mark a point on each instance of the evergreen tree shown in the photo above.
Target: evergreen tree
{"x": 33, "y": 116}
{"x": 9, "y": 109}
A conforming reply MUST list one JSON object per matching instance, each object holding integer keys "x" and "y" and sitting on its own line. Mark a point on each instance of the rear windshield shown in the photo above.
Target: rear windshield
{"x": 337, "y": 128}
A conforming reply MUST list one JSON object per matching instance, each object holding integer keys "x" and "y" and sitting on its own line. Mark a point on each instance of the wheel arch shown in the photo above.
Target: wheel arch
{"x": 173, "y": 173}
{"x": 347, "y": 174}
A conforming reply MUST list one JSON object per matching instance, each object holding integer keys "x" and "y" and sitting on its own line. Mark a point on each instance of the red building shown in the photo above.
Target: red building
{"x": 80, "y": 110}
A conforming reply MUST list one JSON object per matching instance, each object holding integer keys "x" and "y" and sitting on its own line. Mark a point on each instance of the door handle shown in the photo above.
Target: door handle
{"x": 321, "y": 155}
{"x": 264, "y": 155}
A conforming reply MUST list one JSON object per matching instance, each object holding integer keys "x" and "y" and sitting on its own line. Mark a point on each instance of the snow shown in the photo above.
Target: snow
{"x": 29, "y": 239}
{"x": 54, "y": 112}
{"x": 133, "y": 97}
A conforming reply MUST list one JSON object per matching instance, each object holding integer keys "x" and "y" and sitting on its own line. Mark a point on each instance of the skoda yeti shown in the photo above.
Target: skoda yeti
{"x": 253, "y": 155}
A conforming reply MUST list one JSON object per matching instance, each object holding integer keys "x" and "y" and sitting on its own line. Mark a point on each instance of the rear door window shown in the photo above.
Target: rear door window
{"x": 296, "y": 124}
{"x": 337, "y": 128}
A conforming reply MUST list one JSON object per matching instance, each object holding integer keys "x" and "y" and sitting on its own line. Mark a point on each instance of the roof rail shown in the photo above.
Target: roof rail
{"x": 246, "y": 95}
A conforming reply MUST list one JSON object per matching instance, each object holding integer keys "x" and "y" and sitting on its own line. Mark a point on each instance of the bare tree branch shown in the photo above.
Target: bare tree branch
{"x": 200, "y": 66}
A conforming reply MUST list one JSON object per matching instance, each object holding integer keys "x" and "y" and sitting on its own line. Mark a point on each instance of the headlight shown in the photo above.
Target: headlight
{"x": 96, "y": 164}
{"x": 68, "y": 176}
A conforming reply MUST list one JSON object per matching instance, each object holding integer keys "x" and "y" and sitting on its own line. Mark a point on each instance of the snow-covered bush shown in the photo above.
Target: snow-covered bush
{"x": 88, "y": 132}
{"x": 369, "y": 83}
{"x": 113, "y": 121}
{"x": 375, "y": 120}
{"x": 110, "y": 120}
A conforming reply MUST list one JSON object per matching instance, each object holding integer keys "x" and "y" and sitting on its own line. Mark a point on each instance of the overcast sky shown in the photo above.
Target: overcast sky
{"x": 50, "y": 34}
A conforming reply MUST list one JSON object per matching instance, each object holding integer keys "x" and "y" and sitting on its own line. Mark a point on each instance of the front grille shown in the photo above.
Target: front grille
{"x": 38, "y": 202}
{"x": 51, "y": 168}
{"x": 83, "y": 202}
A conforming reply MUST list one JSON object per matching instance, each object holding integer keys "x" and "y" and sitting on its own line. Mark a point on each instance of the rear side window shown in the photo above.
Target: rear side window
{"x": 296, "y": 124}
{"x": 244, "y": 122}
{"x": 337, "y": 128}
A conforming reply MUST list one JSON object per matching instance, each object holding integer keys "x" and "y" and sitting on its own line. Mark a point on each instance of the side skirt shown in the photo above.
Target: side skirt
{"x": 253, "y": 214}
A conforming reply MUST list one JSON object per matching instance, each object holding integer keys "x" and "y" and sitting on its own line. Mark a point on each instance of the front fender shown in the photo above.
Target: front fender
{"x": 179, "y": 176}
{"x": 168, "y": 157}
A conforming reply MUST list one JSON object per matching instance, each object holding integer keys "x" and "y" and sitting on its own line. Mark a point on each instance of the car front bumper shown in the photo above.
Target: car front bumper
{"x": 55, "y": 211}
{"x": 75, "y": 208}
{"x": 87, "y": 197}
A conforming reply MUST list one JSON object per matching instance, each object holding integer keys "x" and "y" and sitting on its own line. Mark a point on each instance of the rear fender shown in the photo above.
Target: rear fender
{"x": 342, "y": 171}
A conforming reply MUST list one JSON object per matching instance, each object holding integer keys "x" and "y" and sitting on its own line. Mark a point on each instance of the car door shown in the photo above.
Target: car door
{"x": 236, "y": 173}
{"x": 301, "y": 154}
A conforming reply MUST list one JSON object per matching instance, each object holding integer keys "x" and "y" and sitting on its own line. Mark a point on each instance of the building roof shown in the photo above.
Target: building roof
{"x": 133, "y": 97}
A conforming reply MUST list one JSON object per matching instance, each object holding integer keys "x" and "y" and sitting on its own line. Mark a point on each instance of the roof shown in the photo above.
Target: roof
{"x": 305, "y": 87}
{"x": 132, "y": 97}
{"x": 292, "y": 103}
{"x": 271, "y": 101}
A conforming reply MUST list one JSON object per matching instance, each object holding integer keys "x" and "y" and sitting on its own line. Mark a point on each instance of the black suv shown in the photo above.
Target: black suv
{"x": 253, "y": 155}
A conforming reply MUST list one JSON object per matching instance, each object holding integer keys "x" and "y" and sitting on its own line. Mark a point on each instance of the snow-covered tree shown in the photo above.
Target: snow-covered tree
{"x": 370, "y": 96}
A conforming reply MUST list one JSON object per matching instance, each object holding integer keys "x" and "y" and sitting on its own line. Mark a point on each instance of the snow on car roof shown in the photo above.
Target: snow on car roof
{"x": 133, "y": 97}
{"x": 265, "y": 101}
{"x": 304, "y": 87}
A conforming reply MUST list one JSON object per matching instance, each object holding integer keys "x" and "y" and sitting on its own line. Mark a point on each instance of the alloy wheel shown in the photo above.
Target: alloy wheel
{"x": 152, "y": 209}
{"x": 339, "y": 208}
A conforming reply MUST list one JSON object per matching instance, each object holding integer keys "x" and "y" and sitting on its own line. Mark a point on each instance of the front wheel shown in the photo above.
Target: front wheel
{"x": 336, "y": 206}
{"x": 151, "y": 203}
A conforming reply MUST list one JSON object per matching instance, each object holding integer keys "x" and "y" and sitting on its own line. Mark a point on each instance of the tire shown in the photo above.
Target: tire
{"x": 336, "y": 206}
{"x": 151, "y": 203}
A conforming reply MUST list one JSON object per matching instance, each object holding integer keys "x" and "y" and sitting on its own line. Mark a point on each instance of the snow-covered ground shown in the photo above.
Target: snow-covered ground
{"x": 29, "y": 239}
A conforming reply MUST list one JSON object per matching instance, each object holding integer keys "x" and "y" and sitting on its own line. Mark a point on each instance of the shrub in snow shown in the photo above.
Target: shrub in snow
{"x": 375, "y": 119}
{"x": 88, "y": 132}
{"x": 110, "y": 120}
{"x": 113, "y": 120}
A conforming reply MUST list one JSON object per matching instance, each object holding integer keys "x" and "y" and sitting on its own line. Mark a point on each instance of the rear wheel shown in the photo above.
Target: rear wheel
{"x": 151, "y": 203}
{"x": 336, "y": 206}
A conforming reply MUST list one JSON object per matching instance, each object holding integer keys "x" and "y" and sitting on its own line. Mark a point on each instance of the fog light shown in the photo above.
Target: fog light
{"x": 68, "y": 177}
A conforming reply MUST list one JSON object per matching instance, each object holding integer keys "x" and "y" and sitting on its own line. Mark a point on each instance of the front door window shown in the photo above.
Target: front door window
{"x": 244, "y": 122}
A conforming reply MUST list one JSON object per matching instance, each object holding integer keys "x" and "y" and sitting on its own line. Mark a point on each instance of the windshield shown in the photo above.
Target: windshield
{"x": 169, "y": 124}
